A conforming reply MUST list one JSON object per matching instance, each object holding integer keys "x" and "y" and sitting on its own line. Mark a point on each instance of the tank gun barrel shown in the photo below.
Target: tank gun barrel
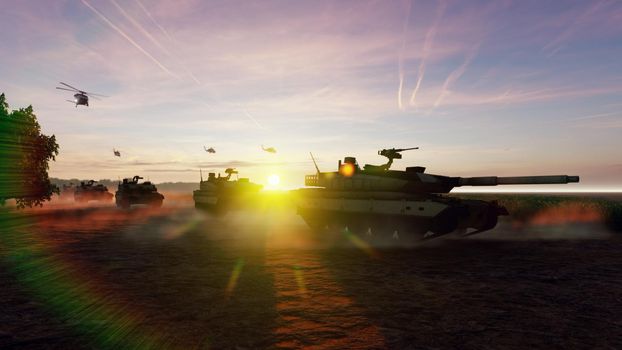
{"x": 394, "y": 153}
{"x": 405, "y": 149}
{"x": 516, "y": 180}
{"x": 390, "y": 154}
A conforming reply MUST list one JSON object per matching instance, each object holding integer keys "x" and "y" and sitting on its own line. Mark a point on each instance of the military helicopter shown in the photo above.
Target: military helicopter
{"x": 80, "y": 97}
{"x": 209, "y": 150}
{"x": 268, "y": 149}
{"x": 116, "y": 153}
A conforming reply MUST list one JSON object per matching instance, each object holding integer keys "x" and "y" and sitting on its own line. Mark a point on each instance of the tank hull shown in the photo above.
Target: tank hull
{"x": 208, "y": 201}
{"x": 221, "y": 202}
{"x": 125, "y": 200}
{"x": 83, "y": 197}
{"x": 423, "y": 216}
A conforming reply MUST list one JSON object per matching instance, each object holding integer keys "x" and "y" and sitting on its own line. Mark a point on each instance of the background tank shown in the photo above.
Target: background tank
{"x": 377, "y": 199}
{"x": 220, "y": 194}
{"x": 67, "y": 191}
{"x": 131, "y": 192}
{"x": 89, "y": 191}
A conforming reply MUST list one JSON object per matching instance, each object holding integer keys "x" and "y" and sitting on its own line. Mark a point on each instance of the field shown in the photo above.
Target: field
{"x": 99, "y": 277}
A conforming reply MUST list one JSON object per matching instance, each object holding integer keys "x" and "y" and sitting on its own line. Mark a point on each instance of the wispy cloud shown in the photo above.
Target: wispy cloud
{"x": 401, "y": 54}
{"x": 140, "y": 27}
{"x": 303, "y": 76}
{"x": 427, "y": 47}
{"x": 140, "y": 4}
{"x": 128, "y": 38}
{"x": 455, "y": 75}
{"x": 152, "y": 38}
{"x": 576, "y": 25}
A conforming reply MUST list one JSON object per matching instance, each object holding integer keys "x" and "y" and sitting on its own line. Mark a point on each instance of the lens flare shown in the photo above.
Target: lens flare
{"x": 347, "y": 169}
{"x": 274, "y": 180}
{"x": 233, "y": 279}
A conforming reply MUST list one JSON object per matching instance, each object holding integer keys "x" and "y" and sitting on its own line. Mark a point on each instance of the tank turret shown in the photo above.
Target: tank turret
{"x": 402, "y": 200}
{"x": 130, "y": 192}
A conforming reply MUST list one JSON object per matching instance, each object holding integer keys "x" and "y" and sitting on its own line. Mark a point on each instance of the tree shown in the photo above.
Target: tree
{"x": 24, "y": 157}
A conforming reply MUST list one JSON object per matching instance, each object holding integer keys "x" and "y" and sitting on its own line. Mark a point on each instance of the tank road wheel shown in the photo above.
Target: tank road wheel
{"x": 315, "y": 224}
{"x": 379, "y": 230}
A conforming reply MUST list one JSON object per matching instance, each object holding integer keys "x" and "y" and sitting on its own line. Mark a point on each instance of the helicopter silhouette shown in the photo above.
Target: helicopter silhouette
{"x": 268, "y": 149}
{"x": 116, "y": 153}
{"x": 80, "y": 97}
{"x": 209, "y": 150}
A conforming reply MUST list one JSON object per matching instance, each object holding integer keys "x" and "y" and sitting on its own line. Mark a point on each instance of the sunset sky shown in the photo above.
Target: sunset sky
{"x": 483, "y": 88}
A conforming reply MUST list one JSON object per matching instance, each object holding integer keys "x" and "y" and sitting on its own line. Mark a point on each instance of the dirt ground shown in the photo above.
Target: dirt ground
{"x": 99, "y": 277}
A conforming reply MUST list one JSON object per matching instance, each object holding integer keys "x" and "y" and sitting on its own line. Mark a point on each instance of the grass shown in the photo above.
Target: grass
{"x": 526, "y": 206}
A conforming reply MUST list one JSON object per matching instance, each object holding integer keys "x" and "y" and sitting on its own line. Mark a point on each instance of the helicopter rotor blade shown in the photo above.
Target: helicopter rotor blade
{"x": 67, "y": 85}
{"x": 70, "y": 101}
{"x": 93, "y": 94}
{"x": 61, "y": 88}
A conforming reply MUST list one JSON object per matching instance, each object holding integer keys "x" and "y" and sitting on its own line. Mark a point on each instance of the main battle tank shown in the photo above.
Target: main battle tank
{"x": 89, "y": 191}
{"x": 218, "y": 195}
{"x": 131, "y": 192}
{"x": 67, "y": 192}
{"x": 375, "y": 199}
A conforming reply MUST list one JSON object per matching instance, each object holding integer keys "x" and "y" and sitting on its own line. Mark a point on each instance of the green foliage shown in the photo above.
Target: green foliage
{"x": 24, "y": 157}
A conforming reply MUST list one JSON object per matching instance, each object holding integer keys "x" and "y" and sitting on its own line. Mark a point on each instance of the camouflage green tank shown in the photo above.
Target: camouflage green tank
{"x": 218, "y": 195}
{"x": 130, "y": 192}
{"x": 377, "y": 200}
{"x": 89, "y": 191}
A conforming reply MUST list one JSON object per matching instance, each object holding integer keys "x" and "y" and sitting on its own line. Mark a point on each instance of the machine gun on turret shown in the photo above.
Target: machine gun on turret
{"x": 229, "y": 172}
{"x": 390, "y": 153}
{"x": 135, "y": 179}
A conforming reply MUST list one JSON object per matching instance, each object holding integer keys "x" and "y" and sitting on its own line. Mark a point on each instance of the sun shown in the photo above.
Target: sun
{"x": 273, "y": 180}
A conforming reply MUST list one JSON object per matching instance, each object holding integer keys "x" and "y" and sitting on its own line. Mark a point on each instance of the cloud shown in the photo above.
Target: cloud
{"x": 306, "y": 75}
{"x": 169, "y": 170}
{"x": 128, "y": 38}
{"x": 574, "y": 26}
{"x": 141, "y": 163}
{"x": 401, "y": 54}
{"x": 427, "y": 47}
{"x": 455, "y": 75}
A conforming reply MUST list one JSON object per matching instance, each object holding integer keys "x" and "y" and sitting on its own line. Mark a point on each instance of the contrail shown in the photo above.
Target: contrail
{"x": 152, "y": 38}
{"x": 401, "y": 56}
{"x": 140, "y": 27}
{"x": 557, "y": 44}
{"x": 253, "y": 119}
{"x": 153, "y": 20}
{"x": 399, "y": 91}
{"x": 118, "y": 30}
{"x": 455, "y": 75}
{"x": 427, "y": 45}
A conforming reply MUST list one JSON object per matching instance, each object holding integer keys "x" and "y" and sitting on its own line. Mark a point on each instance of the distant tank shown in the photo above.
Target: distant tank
{"x": 131, "y": 192}
{"x": 218, "y": 195}
{"x": 377, "y": 200}
{"x": 89, "y": 191}
{"x": 67, "y": 191}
